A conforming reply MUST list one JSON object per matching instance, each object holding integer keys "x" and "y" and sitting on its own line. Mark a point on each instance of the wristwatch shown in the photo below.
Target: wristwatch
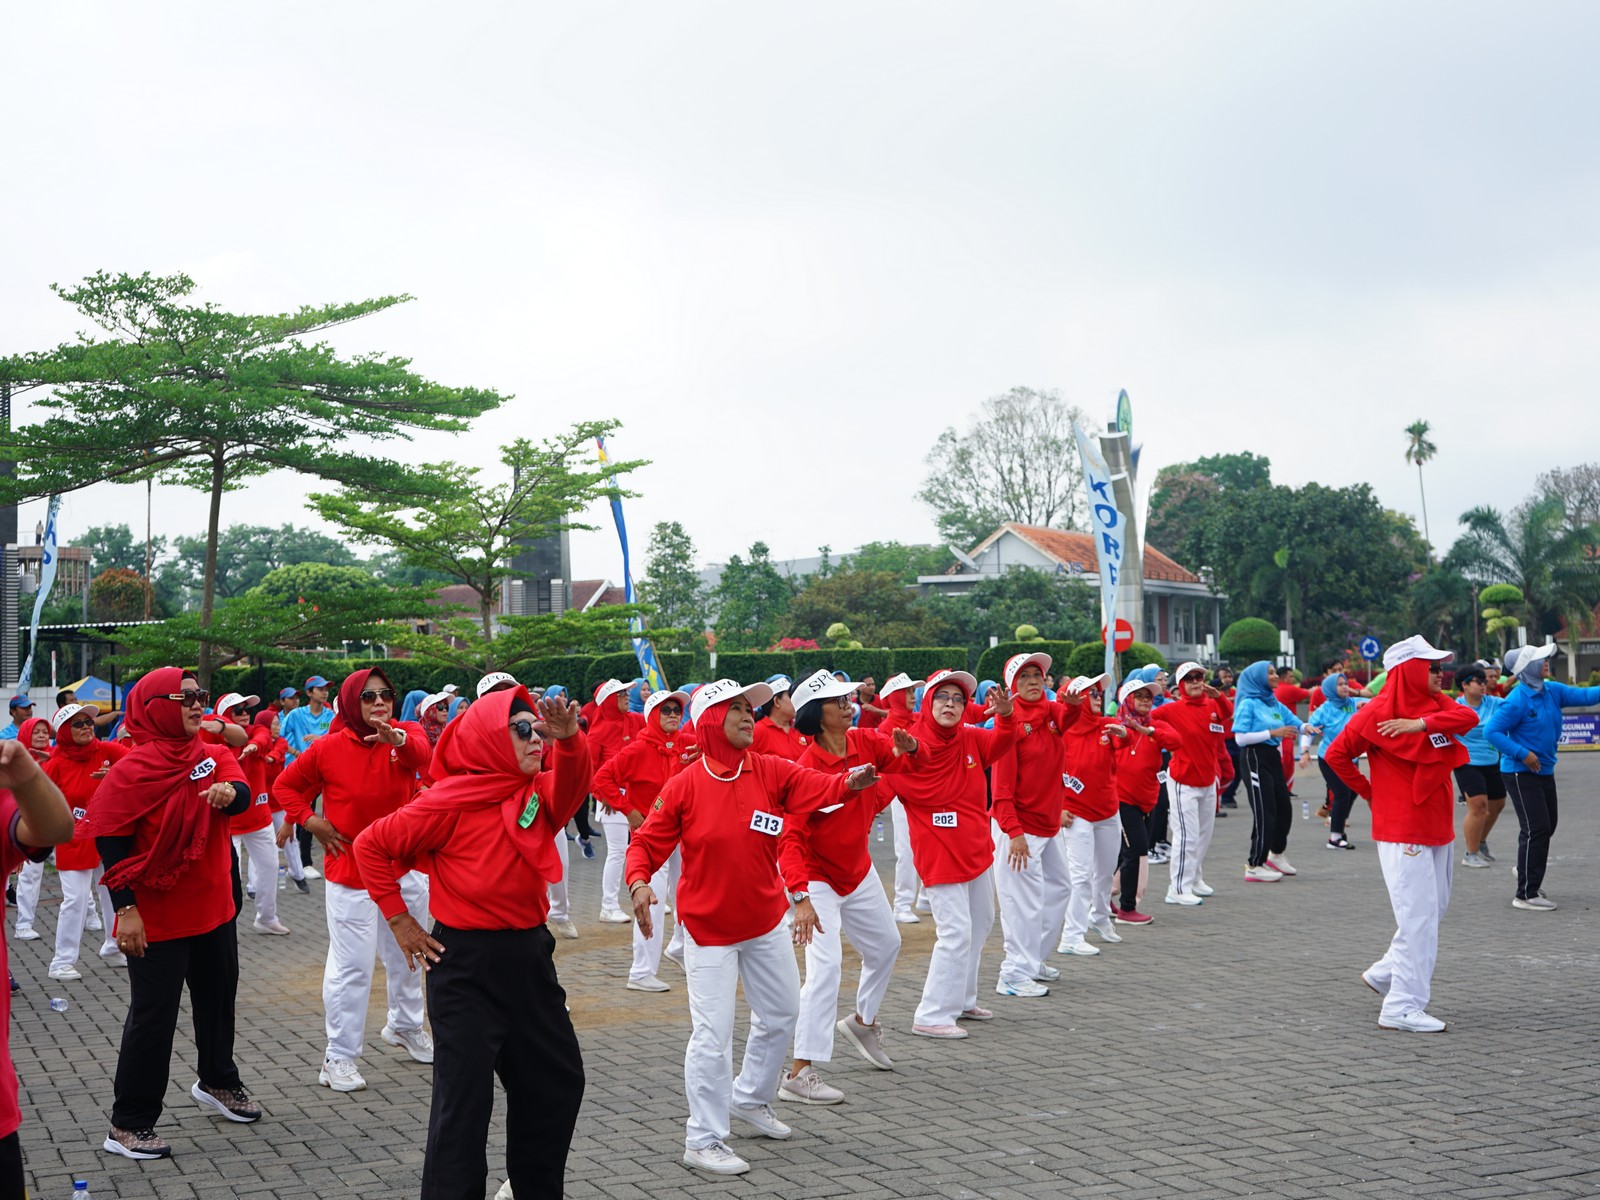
{"x": 796, "y": 897}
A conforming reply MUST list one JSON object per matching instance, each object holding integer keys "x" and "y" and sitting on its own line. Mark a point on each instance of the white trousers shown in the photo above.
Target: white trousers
{"x": 963, "y": 914}
{"x": 291, "y": 849}
{"x": 559, "y": 908}
{"x": 77, "y": 899}
{"x": 29, "y": 880}
{"x": 1092, "y": 849}
{"x": 1033, "y": 901}
{"x": 864, "y": 916}
{"x": 1191, "y": 816}
{"x": 1418, "y": 878}
{"x": 905, "y": 868}
{"x": 259, "y": 850}
{"x": 614, "y": 828}
{"x": 674, "y": 869}
{"x": 766, "y": 967}
{"x": 647, "y": 950}
{"x": 356, "y": 933}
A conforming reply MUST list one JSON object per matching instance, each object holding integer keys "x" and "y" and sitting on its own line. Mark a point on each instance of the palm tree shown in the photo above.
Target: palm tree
{"x": 1419, "y": 450}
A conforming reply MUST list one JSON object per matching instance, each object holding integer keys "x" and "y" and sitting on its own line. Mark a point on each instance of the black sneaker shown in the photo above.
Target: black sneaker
{"x": 302, "y": 886}
{"x": 136, "y": 1143}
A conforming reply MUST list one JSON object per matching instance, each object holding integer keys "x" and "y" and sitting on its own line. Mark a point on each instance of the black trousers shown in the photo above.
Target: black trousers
{"x": 581, "y": 819}
{"x": 1341, "y": 798}
{"x": 209, "y": 964}
{"x": 1261, "y": 767}
{"x": 1230, "y": 794}
{"x": 1534, "y": 797}
{"x": 1139, "y": 831}
{"x": 498, "y": 1009}
{"x": 12, "y": 1186}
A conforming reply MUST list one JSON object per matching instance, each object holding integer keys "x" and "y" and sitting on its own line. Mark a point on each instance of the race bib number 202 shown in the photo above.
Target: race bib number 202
{"x": 944, "y": 820}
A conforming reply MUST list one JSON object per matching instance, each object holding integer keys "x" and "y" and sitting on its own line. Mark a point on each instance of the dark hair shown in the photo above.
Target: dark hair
{"x": 808, "y": 718}
{"x": 61, "y": 696}
{"x": 1471, "y": 675}
{"x": 1331, "y": 664}
{"x": 519, "y": 705}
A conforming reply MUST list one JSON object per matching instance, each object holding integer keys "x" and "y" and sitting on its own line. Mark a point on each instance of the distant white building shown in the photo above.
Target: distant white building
{"x": 1179, "y": 609}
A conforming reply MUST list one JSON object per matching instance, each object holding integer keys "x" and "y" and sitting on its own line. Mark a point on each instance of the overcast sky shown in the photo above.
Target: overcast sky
{"x": 786, "y": 245}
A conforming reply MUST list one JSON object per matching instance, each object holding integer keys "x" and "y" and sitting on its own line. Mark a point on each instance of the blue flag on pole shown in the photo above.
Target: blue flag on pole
{"x": 1107, "y": 526}
{"x": 47, "y": 580}
{"x": 648, "y": 666}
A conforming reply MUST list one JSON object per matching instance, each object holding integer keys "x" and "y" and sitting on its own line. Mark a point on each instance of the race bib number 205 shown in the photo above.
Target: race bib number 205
{"x": 770, "y": 824}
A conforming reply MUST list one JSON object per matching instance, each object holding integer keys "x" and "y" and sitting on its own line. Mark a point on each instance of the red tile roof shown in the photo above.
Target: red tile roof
{"x": 1066, "y": 546}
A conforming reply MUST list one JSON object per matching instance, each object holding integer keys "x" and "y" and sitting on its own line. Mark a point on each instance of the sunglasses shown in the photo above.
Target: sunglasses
{"x": 187, "y": 699}
{"x": 81, "y": 723}
{"x": 523, "y": 729}
{"x": 671, "y": 709}
{"x": 369, "y": 696}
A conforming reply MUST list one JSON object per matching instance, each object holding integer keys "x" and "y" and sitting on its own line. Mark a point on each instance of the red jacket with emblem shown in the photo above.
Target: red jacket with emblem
{"x": 831, "y": 844}
{"x": 1028, "y": 788}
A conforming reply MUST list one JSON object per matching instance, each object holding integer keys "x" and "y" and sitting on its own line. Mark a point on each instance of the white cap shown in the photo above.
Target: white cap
{"x": 963, "y": 678}
{"x": 491, "y": 681}
{"x": 608, "y": 689}
{"x": 233, "y": 700}
{"x": 661, "y": 697}
{"x": 781, "y": 683}
{"x": 1415, "y": 646}
{"x": 1518, "y": 658}
{"x": 67, "y": 712}
{"x": 727, "y": 689}
{"x": 820, "y": 685}
{"x": 1130, "y": 686}
{"x": 429, "y": 701}
{"x": 1084, "y": 683}
{"x": 449, "y": 689}
{"x": 897, "y": 683}
{"x": 1016, "y": 662}
{"x": 1188, "y": 668}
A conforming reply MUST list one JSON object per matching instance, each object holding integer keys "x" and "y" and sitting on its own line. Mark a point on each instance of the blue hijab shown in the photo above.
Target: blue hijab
{"x": 555, "y": 691}
{"x": 1330, "y": 689}
{"x": 636, "y": 696}
{"x": 1253, "y": 683}
{"x": 408, "y": 710}
{"x": 455, "y": 706}
{"x": 984, "y": 688}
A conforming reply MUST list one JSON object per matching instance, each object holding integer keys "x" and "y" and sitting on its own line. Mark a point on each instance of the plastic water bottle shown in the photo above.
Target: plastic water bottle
{"x": 283, "y": 877}
{"x": 1305, "y": 810}
{"x": 57, "y": 1004}
{"x": 80, "y": 1189}
{"x": 880, "y": 827}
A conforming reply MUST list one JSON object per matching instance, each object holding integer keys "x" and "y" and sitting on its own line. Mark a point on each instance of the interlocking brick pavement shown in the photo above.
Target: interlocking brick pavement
{"x": 1227, "y": 1050}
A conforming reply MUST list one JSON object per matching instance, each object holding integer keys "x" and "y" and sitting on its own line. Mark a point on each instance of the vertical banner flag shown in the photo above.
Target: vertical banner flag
{"x": 648, "y": 667}
{"x": 1106, "y": 526}
{"x": 47, "y": 580}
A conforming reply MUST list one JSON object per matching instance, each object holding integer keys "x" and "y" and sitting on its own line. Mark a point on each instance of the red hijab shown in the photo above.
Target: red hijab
{"x": 25, "y": 733}
{"x": 937, "y": 747}
{"x": 711, "y": 732}
{"x": 1406, "y": 694}
{"x": 899, "y": 706}
{"x": 156, "y": 775}
{"x": 68, "y": 749}
{"x": 349, "y": 714}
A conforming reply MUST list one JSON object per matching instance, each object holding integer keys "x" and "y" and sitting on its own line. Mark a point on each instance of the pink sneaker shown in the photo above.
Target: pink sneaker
{"x": 939, "y": 1031}
{"x": 976, "y": 1013}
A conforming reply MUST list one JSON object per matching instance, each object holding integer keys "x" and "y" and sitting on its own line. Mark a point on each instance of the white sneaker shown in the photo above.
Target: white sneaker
{"x": 312, "y": 873}
{"x": 1025, "y": 988}
{"x": 1413, "y": 1022}
{"x": 505, "y": 1192}
{"x": 614, "y": 916}
{"x": 341, "y": 1075}
{"x": 93, "y": 925}
{"x": 1537, "y": 903}
{"x": 650, "y": 983}
{"x": 1262, "y": 874}
{"x": 119, "y": 959}
{"x": 416, "y": 1042}
{"x": 807, "y": 1087}
{"x": 1106, "y": 932}
{"x": 1188, "y": 898}
{"x": 565, "y": 928}
{"x": 715, "y": 1158}
{"x": 905, "y": 916}
{"x": 25, "y": 933}
{"x": 1047, "y": 973}
{"x": 67, "y": 973}
{"x": 1079, "y": 947}
{"x": 924, "y": 905}
{"x": 273, "y": 926}
{"x": 1202, "y": 888}
{"x": 676, "y": 959}
{"x": 763, "y": 1118}
{"x": 1381, "y": 986}
{"x": 1281, "y": 864}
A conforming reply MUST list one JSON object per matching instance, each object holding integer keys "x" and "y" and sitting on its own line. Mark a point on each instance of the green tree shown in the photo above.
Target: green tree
{"x": 246, "y": 554}
{"x": 117, "y": 594}
{"x": 1578, "y": 489}
{"x": 751, "y": 601}
{"x": 1496, "y": 602}
{"x": 673, "y": 587}
{"x": 1062, "y": 608}
{"x": 114, "y": 546}
{"x": 906, "y": 562}
{"x": 1419, "y": 449}
{"x": 392, "y": 568}
{"x": 1017, "y": 462}
{"x": 873, "y": 607}
{"x": 472, "y": 528}
{"x": 194, "y": 395}
{"x": 1439, "y": 606}
{"x": 1248, "y": 640}
{"x": 1184, "y": 493}
{"x": 289, "y": 584}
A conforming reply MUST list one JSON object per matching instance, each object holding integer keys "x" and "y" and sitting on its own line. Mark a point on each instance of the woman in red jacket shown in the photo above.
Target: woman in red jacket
{"x": 727, "y": 811}
{"x": 497, "y": 1006}
{"x": 277, "y": 752}
{"x": 629, "y": 784}
{"x": 895, "y": 696}
{"x": 1139, "y": 780}
{"x": 824, "y": 859}
{"x": 1094, "y": 831}
{"x": 1409, "y": 737}
{"x": 1030, "y": 845}
{"x": 612, "y": 731}
{"x": 253, "y": 839}
{"x": 160, "y": 821}
{"x": 365, "y": 768}
{"x": 34, "y": 733}
{"x": 775, "y": 731}
{"x": 1201, "y": 716}
{"x": 77, "y": 765}
{"x": 947, "y": 800}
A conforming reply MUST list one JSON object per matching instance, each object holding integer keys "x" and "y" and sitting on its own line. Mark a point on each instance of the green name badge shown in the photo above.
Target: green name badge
{"x": 529, "y": 813}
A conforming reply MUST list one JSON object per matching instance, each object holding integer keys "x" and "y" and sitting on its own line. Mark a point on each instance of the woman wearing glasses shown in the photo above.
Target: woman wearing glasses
{"x": 365, "y": 768}
{"x": 498, "y": 1009}
{"x": 160, "y": 820}
{"x": 629, "y": 784}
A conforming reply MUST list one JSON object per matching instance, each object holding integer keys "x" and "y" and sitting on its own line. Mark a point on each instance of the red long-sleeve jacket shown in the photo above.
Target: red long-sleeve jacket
{"x": 1028, "y": 786}
{"x": 1091, "y": 769}
{"x": 254, "y": 766}
{"x": 1397, "y": 815}
{"x": 75, "y": 777}
{"x": 1201, "y": 756}
{"x": 359, "y": 783}
{"x": 787, "y": 743}
{"x": 1139, "y": 765}
{"x": 634, "y": 776}
{"x": 831, "y": 844}
{"x": 946, "y": 799}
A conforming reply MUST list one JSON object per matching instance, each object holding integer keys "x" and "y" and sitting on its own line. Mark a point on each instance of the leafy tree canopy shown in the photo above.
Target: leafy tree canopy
{"x": 246, "y": 554}
{"x": 1059, "y": 607}
{"x": 750, "y": 601}
{"x": 905, "y": 562}
{"x": 870, "y": 607}
{"x": 673, "y": 587}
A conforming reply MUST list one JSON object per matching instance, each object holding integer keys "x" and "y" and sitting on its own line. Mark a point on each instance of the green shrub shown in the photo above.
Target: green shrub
{"x": 1248, "y": 640}
{"x": 570, "y": 671}
{"x": 1141, "y": 654}
{"x": 921, "y": 661}
{"x": 857, "y": 664}
{"x": 992, "y": 662}
{"x": 623, "y": 665}
{"x": 1088, "y": 659}
{"x": 753, "y": 666}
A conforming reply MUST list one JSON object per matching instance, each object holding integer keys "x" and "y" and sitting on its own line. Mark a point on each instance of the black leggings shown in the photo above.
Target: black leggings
{"x": 1534, "y": 797}
{"x": 581, "y": 819}
{"x": 1343, "y": 798}
{"x": 12, "y": 1186}
{"x": 1230, "y": 794}
{"x": 1261, "y": 767}
{"x": 1138, "y": 833}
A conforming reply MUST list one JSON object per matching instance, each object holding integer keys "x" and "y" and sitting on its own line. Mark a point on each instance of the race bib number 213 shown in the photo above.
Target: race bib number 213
{"x": 770, "y": 824}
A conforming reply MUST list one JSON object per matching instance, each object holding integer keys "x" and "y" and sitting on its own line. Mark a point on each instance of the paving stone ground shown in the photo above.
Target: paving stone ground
{"x": 1228, "y": 1050}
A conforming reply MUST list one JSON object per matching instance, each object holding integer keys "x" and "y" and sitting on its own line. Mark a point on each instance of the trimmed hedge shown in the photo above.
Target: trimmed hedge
{"x": 568, "y": 670}
{"x": 857, "y": 664}
{"x": 1248, "y": 640}
{"x": 921, "y": 661}
{"x": 1142, "y": 654}
{"x": 1088, "y": 659}
{"x": 623, "y": 666}
{"x": 268, "y": 680}
{"x": 992, "y": 662}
